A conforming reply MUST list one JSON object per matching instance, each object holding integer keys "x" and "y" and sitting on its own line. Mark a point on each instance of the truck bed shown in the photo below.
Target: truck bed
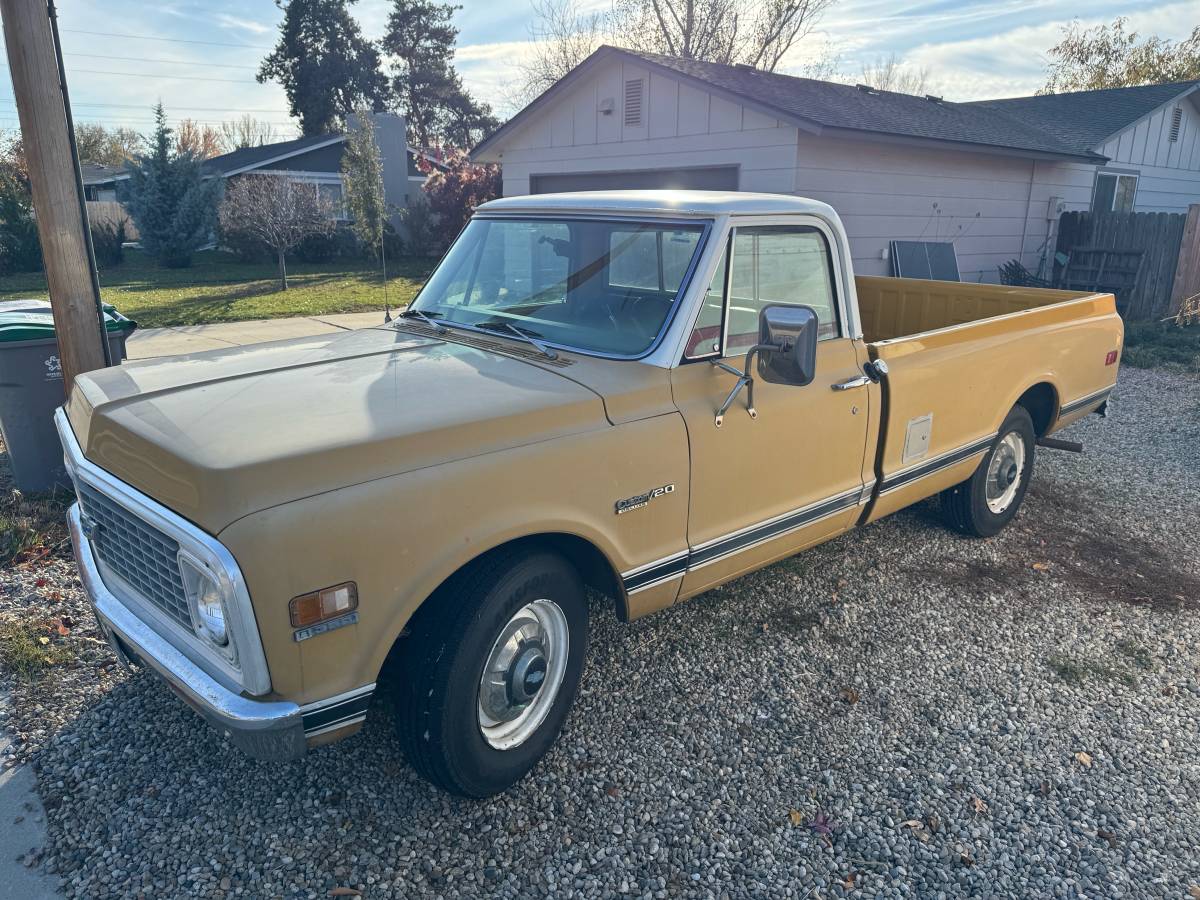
{"x": 961, "y": 355}
{"x": 892, "y": 308}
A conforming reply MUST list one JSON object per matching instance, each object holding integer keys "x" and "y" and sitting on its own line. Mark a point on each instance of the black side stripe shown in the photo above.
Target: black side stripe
{"x": 1097, "y": 397}
{"x": 658, "y": 572}
{"x": 337, "y": 712}
{"x": 936, "y": 465}
{"x": 727, "y": 546}
{"x": 666, "y": 570}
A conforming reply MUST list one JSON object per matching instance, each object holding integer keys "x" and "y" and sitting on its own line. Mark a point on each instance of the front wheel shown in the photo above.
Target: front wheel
{"x": 492, "y": 671}
{"x": 989, "y": 499}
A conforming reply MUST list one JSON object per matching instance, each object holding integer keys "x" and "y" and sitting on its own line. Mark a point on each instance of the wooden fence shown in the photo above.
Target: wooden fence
{"x": 111, "y": 211}
{"x": 1187, "y": 275}
{"x": 1134, "y": 255}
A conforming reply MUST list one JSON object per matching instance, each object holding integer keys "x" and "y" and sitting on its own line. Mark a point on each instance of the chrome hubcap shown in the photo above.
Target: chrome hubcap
{"x": 523, "y": 674}
{"x": 1004, "y": 472}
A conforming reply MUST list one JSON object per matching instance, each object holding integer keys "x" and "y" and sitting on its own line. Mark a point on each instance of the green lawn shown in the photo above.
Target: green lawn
{"x": 218, "y": 288}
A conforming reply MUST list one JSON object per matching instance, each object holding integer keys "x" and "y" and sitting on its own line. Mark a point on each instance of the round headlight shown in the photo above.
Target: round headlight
{"x": 208, "y": 608}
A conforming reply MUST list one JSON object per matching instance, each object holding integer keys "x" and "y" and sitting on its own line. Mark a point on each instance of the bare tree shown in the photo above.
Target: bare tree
{"x": 246, "y": 131}
{"x": 757, "y": 33}
{"x": 202, "y": 141}
{"x": 890, "y": 73}
{"x": 563, "y": 36}
{"x": 277, "y": 210}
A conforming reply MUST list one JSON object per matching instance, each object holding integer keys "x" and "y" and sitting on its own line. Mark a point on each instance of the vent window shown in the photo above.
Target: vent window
{"x": 1176, "y": 123}
{"x": 634, "y": 90}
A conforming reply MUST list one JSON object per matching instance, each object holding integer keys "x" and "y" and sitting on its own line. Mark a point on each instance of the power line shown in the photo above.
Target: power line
{"x": 156, "y": 75}
{"x": 148, "y": 37}
{"x": 170, "y": 62}
{"x": 220, "y": 109}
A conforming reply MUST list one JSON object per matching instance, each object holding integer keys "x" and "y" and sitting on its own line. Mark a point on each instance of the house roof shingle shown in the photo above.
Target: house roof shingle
{"x": 1062, "y": 126}
{"x": 1085, "y": 119}
{"x": 251, "y": 156}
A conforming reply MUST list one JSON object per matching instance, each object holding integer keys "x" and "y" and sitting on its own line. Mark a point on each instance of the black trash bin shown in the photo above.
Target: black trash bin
{"x": 31, "y": 388}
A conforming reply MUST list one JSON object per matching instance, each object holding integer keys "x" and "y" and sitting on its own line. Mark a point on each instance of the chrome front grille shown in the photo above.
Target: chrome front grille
{"x": 141, "y": 555}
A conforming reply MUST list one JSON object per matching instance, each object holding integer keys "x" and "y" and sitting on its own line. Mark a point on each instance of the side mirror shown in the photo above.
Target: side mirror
{"x": 787, "y": 337}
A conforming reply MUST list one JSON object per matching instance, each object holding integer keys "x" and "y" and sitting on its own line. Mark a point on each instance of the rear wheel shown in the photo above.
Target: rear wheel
{"x": 492, "y": 670}
{"x": 990, "y": 498}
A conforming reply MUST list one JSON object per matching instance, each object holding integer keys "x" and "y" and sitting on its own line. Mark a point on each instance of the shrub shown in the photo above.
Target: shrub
{"x": 453, "y": 190}
{"x": 108, "y": 239}
{"x": 420, "y": 234}
{"x": 321, "y": 248}
{"x": 20, "y": 250}
{"x": 245, "y": 247}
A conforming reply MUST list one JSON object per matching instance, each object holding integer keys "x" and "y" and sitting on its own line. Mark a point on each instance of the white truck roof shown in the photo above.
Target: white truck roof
{"x": 706, "y": 204}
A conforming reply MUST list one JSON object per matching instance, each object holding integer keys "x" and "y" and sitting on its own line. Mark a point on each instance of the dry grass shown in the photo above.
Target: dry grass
{"x": 29, "y": 649}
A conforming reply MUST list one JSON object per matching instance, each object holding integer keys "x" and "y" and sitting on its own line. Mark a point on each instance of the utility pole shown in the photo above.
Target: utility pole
{"x": 53, "y": 177}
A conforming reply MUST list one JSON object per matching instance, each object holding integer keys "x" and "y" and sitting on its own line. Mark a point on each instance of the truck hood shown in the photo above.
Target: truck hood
{"x": 215, "y": 436}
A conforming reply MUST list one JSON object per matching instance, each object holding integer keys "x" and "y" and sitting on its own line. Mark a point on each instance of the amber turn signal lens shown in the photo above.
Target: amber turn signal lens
{"x": 328, "y": 603}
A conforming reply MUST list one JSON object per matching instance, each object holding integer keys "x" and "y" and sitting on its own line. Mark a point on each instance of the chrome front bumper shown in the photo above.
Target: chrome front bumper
{"x": 264, "y": 729}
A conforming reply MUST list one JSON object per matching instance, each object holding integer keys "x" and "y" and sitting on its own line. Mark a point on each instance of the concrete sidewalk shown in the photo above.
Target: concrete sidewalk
{"x": 149, "y": 342}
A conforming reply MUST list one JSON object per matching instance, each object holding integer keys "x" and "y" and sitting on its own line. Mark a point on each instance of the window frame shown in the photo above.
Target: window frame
{"x": 1117, "y": 175}
{"x": 839, "y": 302}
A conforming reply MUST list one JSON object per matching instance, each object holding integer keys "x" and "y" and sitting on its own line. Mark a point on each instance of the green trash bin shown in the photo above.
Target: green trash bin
{"x": 31, "y": 388}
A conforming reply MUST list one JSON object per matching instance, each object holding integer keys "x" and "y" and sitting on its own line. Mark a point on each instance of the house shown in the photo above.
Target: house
{"x": 100, "y": 182}
{"x": 317, "y": 159}
{"x": 991, "y": 176}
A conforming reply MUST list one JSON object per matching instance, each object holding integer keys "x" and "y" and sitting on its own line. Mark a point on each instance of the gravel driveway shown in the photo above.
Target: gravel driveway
{"x": 901, "y": 712}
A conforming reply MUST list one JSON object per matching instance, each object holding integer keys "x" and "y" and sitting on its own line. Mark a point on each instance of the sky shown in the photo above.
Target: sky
{"x": 199, "y": 57}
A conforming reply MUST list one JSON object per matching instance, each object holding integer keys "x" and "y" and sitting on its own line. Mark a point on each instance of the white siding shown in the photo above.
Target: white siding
{"x": 682, "y": 127}
{"x": 1169, "y": 171}
{"x": 886, "y": 192}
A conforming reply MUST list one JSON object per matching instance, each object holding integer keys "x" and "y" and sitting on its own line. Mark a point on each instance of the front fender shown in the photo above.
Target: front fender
{"x": 399, "y": 538}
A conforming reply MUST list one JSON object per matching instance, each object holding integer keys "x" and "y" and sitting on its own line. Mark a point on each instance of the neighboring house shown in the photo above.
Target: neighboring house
{"x": 100, "y": 182}
{"x": 991, "y": 176}
{"x": 318, "y": 160}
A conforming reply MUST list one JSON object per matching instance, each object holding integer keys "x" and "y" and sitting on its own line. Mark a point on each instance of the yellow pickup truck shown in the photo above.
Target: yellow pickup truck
{"x": 644, "y": 394}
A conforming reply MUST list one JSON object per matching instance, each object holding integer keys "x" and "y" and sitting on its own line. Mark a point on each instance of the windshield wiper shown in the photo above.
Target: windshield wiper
{"x": 522, "y": 334}
{"x": 416, "y": 313}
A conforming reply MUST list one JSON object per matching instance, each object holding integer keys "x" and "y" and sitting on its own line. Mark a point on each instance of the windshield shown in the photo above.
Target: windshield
{"x": 601, "y": 286}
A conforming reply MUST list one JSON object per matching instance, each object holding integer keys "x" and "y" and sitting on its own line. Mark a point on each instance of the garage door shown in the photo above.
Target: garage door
{"x": 709, "y": 178}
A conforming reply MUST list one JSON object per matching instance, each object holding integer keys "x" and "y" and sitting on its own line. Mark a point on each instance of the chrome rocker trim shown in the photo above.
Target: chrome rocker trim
{"x": 1096, "y": 397}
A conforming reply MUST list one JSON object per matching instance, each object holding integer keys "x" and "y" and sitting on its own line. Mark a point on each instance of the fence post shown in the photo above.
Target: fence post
{"x": 1187, "y": 273}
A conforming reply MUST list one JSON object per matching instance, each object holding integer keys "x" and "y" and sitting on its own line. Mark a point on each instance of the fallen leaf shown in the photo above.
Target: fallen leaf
{"x": 849, "y": 695}
{"x": 966, "y": 859}
{"x": 1084, "y": 758}
{"x": 912, "y": 823}
{"x": 1106, "y": 835}
{"x": 41, "y": 582}
{"x": 1040, "y": 566}
{"x": 848, "y": 884}
{"x": 613, "y": 790}
{"x": 979, "y": 806}
{"x": 1194, "y": 892}
{"x": 796, "y": 817}
{"x": 345, "y": 892}
{"x": 43, "y": 640}
{"x": 62, "y": 629}
{"x": 933, "y": 822}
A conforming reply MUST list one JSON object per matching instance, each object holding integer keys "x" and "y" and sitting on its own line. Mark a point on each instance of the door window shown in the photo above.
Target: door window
{"x": 770, "y": 264}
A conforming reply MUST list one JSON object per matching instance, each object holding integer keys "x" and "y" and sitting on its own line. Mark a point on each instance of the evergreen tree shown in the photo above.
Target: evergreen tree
{"x": 439, "y": 109}
{"x": 173, "y": 206}
{"x": 324, "y": 63}
{"x": 362, "y": 181}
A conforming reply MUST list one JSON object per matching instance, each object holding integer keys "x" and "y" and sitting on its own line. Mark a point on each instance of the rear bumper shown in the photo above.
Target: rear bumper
{"x": 264, "y": 729}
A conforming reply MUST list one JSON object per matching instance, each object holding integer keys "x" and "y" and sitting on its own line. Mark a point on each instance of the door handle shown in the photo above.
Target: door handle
{"x": 860, "y": 381}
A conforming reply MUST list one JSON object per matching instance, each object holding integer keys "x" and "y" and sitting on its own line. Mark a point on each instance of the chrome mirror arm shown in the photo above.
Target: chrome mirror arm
{"x": 744, "y": 380}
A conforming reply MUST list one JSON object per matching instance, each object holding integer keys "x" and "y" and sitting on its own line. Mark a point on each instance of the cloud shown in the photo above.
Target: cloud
{"x": 227, "y": 21}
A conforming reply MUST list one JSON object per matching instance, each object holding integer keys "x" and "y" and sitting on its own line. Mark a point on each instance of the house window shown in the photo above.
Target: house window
{"x": 1114, "y": 192}
{"x": 634, "y": 89}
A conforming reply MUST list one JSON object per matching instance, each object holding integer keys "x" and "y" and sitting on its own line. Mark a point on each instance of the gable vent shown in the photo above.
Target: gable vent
{"x": 634, "y": 89}
{"x": 1176, "y": 123}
